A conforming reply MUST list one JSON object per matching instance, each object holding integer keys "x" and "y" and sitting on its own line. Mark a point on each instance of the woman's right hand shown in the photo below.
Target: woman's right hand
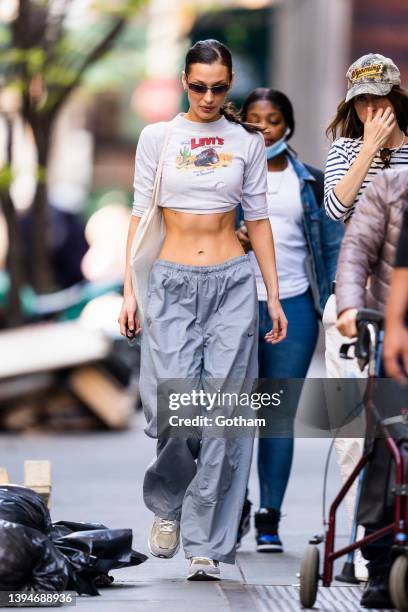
{"x": 378, "y": 128}
{"x": 129, "y": 324}
{"x": 346, "y": 322}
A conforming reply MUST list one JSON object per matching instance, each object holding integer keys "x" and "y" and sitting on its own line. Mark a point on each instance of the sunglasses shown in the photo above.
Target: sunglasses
{"x": 385, "y": 155}
{"x": 217, "y": 90}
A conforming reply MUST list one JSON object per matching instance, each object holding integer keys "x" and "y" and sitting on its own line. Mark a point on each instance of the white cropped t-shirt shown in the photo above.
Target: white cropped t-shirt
{"x": 208, "y": 168}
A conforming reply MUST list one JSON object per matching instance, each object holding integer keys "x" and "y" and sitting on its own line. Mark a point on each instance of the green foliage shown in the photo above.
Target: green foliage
{"x": 59, "y": 76}
{"x": 6, "y": 178}
{"x": 128, "y": 8}
{"x": 237, "y": 35}
{"x": 34, "y": 59}
{"x": 12, "y": 56}
{"x": 41, "y": 174}
{"x": 61, "y": 65}
{"x": 5, "y": 36}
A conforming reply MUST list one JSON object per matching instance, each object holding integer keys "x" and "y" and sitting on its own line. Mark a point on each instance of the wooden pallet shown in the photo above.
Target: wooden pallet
{"x": 37, "y": 476}
{"x": 103, "y": 395}
{"x": 36, "y": 352}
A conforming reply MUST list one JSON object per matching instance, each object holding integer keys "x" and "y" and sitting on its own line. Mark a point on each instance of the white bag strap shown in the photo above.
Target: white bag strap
{"x": 157, "y": 178}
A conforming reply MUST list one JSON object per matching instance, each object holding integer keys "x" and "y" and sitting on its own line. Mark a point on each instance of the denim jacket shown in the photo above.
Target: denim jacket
{"x": 323, "y": 235}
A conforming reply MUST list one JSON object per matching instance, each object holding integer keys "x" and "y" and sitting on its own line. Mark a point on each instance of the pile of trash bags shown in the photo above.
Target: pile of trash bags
{"x": 38, "y": 555}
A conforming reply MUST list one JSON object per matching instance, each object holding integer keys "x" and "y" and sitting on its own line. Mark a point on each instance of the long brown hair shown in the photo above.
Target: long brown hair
{"x": 346, "y": 122}
{"x": 211, "y": 51}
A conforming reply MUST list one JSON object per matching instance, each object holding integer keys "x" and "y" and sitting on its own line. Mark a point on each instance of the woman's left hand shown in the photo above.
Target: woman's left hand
{"x": 346, "y": 323}
{"x": 279, "y": 321}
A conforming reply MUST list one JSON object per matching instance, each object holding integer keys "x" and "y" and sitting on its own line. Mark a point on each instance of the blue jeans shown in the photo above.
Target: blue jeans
{"x": 288, "y": 359}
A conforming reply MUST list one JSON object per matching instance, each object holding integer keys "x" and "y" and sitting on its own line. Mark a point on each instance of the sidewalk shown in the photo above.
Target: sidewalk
{"x": 97, "y": 477}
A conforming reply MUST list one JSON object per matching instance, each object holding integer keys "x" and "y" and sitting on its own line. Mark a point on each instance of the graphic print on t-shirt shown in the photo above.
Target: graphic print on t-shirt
{"x": 202, "y": 155}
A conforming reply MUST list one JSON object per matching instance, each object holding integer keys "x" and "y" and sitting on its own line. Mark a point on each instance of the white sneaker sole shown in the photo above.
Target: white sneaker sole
{"x": 201, "y": 574}
{"x": 163, "y": 555}
{"x": 269, "y": 548}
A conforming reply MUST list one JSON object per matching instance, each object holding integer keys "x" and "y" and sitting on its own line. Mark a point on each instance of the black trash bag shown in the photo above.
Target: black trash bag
{"x": 38, "y": 554}
{"x": 62, "y": 528}
{"x": 29, "y": 561}
{"x": 24, "y": 506}
{"x": 80, "y": 563}
{"x": 106, "y": 549}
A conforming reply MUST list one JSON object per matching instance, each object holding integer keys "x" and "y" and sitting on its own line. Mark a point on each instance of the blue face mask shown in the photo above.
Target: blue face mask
{"x": 276, "y": 148}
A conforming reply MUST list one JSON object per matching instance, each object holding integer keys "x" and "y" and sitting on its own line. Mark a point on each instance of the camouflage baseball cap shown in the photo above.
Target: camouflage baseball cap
{"x": 372, "y": 74}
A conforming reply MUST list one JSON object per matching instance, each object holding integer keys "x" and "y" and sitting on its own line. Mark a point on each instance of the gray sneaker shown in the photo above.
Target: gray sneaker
{"x": 203, "y": 568}
{"x": 164, "y": 538}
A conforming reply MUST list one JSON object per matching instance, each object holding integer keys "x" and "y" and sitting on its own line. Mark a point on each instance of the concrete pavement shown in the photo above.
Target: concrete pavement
{"x": 98, "y": 476}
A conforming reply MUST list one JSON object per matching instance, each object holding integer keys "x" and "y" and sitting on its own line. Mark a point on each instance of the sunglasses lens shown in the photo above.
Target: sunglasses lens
{"x": 218, "y": 90}
{"x": 200, "y": 89}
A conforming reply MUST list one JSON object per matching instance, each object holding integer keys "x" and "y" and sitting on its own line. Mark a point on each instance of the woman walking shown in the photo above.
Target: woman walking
{"x": 368, "y": 251}
{"x": 372, "y": 123}
{"x": 307, "y": 245}
{"x": 201, "y": 306}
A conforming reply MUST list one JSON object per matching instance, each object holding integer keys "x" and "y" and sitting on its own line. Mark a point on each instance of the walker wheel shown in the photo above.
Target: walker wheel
{"x": 309, "y": 577}
{"x": 398, "y": 582}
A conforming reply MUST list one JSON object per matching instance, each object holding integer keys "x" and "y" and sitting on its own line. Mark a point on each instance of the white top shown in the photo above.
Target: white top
{"x": 286, "y": 216}
{"x": 342, "y": 154}
{"x": 208, "y": 168}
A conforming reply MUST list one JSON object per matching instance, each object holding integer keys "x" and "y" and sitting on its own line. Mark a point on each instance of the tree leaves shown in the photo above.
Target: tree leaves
{"x": 6, "y": 178}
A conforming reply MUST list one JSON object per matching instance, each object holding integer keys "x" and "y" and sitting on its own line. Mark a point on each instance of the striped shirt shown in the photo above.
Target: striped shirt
{"x": 342, "y": 154}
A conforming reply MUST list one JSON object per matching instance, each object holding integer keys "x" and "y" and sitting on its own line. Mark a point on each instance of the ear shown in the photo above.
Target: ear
{"x": 232, "y": 79}
{"x": 184, "y": 80}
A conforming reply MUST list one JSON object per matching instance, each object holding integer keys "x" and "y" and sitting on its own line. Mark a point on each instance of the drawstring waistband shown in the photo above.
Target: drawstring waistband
{"x": 230, "y": 263}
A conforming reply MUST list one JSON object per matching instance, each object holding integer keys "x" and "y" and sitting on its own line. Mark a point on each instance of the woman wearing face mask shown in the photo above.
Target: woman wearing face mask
{"x": 201, "y": 314}
{"x": 307, "y": 245}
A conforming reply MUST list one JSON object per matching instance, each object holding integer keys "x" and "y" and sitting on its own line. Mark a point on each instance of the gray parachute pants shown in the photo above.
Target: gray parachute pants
{"x": 201, "y": 323}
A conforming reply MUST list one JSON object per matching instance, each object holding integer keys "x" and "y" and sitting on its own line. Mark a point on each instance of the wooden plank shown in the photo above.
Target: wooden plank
{"x": 4, "y": 477}
{"x": 37, "y": 476}
{"x": 19, "y": 418}
{"x": 101, "y": 394}
{"x": 50, "y": 346}
{"x": 37, "y": 473}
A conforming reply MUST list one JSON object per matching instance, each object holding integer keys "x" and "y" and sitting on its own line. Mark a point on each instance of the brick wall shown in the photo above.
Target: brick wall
{"x": 381, "y": 26}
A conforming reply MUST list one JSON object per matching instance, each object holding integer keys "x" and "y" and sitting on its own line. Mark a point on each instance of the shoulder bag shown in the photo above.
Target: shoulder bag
{"x": 148, "y": 238}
